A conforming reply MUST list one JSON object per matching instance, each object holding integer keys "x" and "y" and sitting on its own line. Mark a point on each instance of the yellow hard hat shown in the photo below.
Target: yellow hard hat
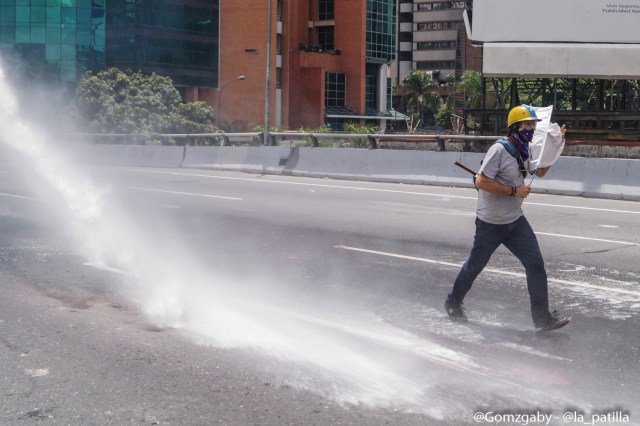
{"x": 521, "y": 113}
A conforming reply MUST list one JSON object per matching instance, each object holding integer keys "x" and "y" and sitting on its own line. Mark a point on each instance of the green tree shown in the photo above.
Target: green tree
{"x": 421, "y": 93}
{"x": 444, "y": 114}
{"x": 115, "y": 101}
{"x": 498, "y": 94}
{"x": 471, "y": 86}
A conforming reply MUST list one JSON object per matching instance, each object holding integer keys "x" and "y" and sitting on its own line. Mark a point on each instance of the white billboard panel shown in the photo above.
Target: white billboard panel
{"x": 563, "y": 21}
{"x": 609, "y": 61}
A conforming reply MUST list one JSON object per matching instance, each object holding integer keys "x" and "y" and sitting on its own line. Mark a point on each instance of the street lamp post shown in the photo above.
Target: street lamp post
{"x": 218, "y": 121}
{"x": 267, "y": 97}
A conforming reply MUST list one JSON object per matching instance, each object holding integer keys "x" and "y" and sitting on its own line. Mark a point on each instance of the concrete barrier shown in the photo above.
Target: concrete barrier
{"x": 131, "y": 155}
{"x": 420, "y": 167}
{"x": 590, "y": 177}
{"x": 262, "y": 159}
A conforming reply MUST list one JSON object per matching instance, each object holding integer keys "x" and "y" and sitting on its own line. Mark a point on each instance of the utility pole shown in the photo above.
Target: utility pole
{"x": 267, "y": 101}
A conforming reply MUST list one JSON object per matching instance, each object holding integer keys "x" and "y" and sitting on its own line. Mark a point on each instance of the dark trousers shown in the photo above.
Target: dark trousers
{"x": 519, "y": 238}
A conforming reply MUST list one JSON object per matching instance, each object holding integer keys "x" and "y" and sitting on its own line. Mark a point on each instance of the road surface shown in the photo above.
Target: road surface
{"x": 194, "y": 297}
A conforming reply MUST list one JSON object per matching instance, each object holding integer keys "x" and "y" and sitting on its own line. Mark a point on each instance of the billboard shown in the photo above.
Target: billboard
{"x": 557, "y": 38}
{"x": 556, "y": 21}
{"x": 562, "y": 60}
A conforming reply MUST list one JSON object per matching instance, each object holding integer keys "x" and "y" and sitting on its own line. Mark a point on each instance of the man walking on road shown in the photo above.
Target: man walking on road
{"x": 500, "y": 220}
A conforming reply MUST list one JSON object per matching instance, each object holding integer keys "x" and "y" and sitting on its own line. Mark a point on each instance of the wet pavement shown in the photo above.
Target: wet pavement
{"x": 198, "y": 297}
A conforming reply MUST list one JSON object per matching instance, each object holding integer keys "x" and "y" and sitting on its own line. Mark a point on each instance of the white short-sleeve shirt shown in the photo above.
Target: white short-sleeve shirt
{"x": 503, "y": 167}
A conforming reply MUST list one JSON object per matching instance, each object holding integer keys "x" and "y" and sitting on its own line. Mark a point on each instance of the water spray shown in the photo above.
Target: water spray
{"x": 315, "y": 350}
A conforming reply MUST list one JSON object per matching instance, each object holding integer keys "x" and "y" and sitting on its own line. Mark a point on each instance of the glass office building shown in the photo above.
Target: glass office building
{"x": 61, "y": 39}
{"x": 175, "y": 38}
{"x": 380, "y": 50}
{"x": 381, "y": 31}
{"x": 58, "y": 38}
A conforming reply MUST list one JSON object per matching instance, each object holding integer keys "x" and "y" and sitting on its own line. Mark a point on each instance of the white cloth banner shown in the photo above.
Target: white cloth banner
{"x": 547, "y": 145}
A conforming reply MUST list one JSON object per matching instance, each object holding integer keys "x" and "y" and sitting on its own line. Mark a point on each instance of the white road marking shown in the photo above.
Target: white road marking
{"x": 564, "y": 206}
{"x": 109, "y": 268}
{"x": 530, "y": 351}
{"x": 2, "y": 194}
{"x": 183, "y": 193}
{"x": 394, "y": 191}
{"x": 425, "y": 209}
{"x": 496, "y": 271}
{"x": 38, "y": 372}
{"x": 588, "y": 238}
{"x": 317, "y": 185}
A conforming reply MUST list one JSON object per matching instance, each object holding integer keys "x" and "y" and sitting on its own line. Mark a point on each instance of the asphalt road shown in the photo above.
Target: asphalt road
{"x": 191, "y": 297}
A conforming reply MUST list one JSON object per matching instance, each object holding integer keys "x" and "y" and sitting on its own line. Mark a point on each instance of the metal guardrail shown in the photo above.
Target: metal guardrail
{"x": 374, "y": 138}
{"x": 220, "y": 138}
{"x": 249, "y": 138}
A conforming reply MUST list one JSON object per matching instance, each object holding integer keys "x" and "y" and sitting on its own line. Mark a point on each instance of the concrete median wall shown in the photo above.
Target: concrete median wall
{"x": 263, "y": 159}
{"x": 130, "y": 155}
{"x": 420, "y": 167}
{"x": 591, "y": 177}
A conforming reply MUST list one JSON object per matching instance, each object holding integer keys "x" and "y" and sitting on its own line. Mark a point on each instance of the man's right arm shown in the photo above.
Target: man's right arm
{"x": 491, "y": 185}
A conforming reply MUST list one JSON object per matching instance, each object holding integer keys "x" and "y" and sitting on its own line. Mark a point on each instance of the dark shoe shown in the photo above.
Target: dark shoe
{"x": 455, "y": 311}
{"x": 553, "y": 322}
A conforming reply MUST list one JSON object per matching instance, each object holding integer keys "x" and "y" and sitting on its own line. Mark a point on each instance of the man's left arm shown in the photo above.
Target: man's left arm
{"x": 541, "y": 171}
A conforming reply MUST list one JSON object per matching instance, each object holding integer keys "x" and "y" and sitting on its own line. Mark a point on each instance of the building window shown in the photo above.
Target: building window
{"x": 279, "y": 44}
{"x": 325, "y": 37}
{"x": 434, "y": 45}
{"x": 405, "y": 56}
{"x": 371, "y": 86}
{"x": 435, "y": 65}
{"x": 406, "y": 17}
{"x": 381, "y": 31}
{"x": 405, "y": 36}
{"x": 279, "y": 10}
{"x": 325, "y": 10}
{"x": 447, "y": 25}
{"x": 441, "y": 5}
{"x": 278, "y": 78}
{"x": 336, "y": 124}
{"x": 335, "y": 89}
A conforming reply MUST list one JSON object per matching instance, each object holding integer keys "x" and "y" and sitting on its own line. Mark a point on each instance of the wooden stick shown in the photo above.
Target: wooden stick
{"x": 465, "y": 167}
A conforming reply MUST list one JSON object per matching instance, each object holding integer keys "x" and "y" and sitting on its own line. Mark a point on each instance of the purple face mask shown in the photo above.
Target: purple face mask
{"x": 527, "y": 134}
{"x": 522, "y": 139}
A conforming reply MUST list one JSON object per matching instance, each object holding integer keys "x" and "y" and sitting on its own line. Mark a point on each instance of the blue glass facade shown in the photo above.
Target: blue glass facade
{"x": 380, "y": 49}
{"x": 381, "y": 31}
{"x": 175, "y": 38}
{"x": 64, "y": 38}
